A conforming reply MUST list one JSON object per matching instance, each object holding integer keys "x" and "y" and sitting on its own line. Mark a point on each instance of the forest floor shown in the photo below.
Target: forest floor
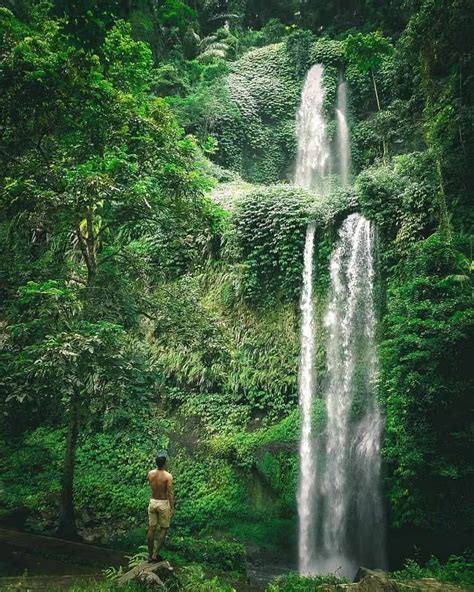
{"x": 35, "y": 562}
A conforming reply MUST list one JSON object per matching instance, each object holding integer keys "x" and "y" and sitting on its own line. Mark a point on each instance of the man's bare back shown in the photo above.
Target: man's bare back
{"x": 161, "y": 506}
{"x": 160, "y": 482}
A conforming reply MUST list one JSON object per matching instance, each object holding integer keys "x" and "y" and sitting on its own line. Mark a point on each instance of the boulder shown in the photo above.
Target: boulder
{"x": 154, "y": 575}
{"x": 367, "y": 584}
{"x": 375, "y": 580}
{"x": 364, "y": 572}
{"x": 376, "y": 583}
{"x": 428, "y": 585}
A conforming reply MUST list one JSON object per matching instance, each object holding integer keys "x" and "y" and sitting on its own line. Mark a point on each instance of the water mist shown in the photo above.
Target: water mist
{"x": 349, "y": 502}
{"x": 340, "y": 511}
{"x": 311, "y": 168}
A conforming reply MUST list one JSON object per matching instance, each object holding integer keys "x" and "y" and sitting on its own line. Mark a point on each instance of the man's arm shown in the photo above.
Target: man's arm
{"x": 170, "y": 493}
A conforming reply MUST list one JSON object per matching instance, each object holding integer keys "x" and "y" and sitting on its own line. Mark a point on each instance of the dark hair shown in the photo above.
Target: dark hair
{"x": 160, "y": 461}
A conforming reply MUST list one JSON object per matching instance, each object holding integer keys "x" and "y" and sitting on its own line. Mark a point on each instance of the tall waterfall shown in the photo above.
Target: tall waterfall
{"x": 343, "y": 146}
{"x": 312, "y": 159}
{"x": 350, "y": 525}
{"x": 307, "y": 482}
{"x": 311, "y": 167}
{"x": 339, "y": 500}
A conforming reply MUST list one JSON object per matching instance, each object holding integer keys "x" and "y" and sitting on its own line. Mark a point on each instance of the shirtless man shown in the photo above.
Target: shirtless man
{"x": 161, "y": 506}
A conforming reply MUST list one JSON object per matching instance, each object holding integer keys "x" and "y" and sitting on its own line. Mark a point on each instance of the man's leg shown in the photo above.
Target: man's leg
{"x": 150, "y": 539}
{"x": 160, "y": 539}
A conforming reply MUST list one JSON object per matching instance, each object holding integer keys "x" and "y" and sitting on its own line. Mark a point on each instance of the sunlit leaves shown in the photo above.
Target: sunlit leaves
{"x": 128, "y": 62}
{"x": 270, "y": 228}
{"x": 367, "y": 51}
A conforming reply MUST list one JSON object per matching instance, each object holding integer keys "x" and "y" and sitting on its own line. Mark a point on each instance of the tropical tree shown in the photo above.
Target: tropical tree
{"x": 88, "y": 153}
{"x": 53, "y": 357}
{"x": 367, "y": 53}
{"x": 94, "y": 172}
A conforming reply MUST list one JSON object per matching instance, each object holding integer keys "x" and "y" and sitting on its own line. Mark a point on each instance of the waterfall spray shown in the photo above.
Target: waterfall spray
{"x": 339, "y": 501}
{"x": 349, "y": 498}
{"x": 312, "y": 161}
{"x": 307, "y": 484}
{"x": 311, "y": 168}
{"x": 343, "y": 146}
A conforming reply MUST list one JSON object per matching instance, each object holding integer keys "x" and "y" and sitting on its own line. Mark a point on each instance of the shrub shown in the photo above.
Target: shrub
{"x": 270, "y": 228}
{"x": 458, "y": 570}
{"x": 221, "y": 555}
{"x": 427, "y": 393}
{"x": 194, "y": 579}
{"x": 262, "y": 86}
{"x": 295, "y": 583}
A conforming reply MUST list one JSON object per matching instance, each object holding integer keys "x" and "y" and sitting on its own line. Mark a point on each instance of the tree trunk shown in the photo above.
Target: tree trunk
{"x": 375, "y": 90}
{"x": 445, "y": 222}
{"x": 67, "y": 523}
{"x": 384, "y": 142}
{"x": 90, "y": 246}
{"x": 87, "y": 245}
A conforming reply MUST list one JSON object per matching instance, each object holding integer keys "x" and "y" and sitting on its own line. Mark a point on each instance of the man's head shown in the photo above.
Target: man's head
{"x": 161, "y": 460}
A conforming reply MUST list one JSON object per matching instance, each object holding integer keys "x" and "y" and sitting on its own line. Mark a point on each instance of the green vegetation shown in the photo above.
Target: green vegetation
{"x": 270, "y": 227}
{"x": 294, "y": 583}
{"x": 458, "y": 570}
{"x": 151, "y": 258}
{"x": 429, "y": 311}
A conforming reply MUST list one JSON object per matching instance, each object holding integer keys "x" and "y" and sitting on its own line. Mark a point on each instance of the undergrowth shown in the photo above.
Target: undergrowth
{"x": 458, "y": 570}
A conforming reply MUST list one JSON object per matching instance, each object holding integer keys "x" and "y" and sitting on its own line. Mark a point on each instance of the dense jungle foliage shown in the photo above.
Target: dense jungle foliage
{"x": 151, "y": 259}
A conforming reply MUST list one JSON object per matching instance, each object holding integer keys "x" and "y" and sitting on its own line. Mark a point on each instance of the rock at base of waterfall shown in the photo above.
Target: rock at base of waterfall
{"x": 364, "y": 572}
{"x": 374, "y": 580}
{"x": 151, "y": 574}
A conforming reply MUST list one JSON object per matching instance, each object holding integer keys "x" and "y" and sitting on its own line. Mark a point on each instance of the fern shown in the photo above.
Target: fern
{"x": 140, "y": 557}
{"x": 112, "y": 574}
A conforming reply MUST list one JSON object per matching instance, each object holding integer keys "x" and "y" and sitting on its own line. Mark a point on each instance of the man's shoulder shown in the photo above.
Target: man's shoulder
{"x": 168, "y": 475}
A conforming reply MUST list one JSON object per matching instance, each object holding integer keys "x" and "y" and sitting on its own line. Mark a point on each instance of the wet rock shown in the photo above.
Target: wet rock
{"x": 374, "y": 580}
{"x": 363, "y": 572}
{"x": 428, "y": 585}
{"x": 152, "y": 574}
{"x": 15, "y": 518}
{"x": 376, "y": 583}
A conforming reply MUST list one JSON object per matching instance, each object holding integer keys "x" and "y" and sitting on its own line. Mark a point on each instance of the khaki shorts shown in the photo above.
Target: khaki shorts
{"x": 159, "y": 512}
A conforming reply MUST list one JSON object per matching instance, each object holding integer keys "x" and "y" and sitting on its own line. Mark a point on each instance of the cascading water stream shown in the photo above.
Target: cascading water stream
{"x": 340, "y": 509}
{"x": 351, "y": 526}
{"x": 307, "y": 483}
{"x": 311, "y": 167}
{"x": 343, "y": 146}
{"x": 312, "y": 160}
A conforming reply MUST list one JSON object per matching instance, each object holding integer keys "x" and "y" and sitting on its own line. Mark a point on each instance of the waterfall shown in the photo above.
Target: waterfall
{"x": 351, "y": 525}
{"x": 312, "y": 160}
{"x": 341, "y": 523}
{"x": 311, "y": 168}
{"x": 307, "y": 483}
{"x": 343, "y": 146}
